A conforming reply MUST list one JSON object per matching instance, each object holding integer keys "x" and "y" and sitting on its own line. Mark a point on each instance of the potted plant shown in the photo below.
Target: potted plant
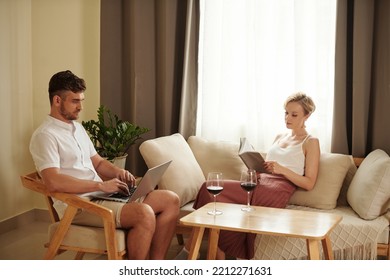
{"x": 111, "y": 136}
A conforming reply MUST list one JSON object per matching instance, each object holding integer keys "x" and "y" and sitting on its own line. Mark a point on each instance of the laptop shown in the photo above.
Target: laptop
{"x": 147, "y": 184}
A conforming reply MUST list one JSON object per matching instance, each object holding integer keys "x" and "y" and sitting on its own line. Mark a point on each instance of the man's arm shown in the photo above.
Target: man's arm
{"x": 109, "y": 170}
{"x": 58, "y": 182}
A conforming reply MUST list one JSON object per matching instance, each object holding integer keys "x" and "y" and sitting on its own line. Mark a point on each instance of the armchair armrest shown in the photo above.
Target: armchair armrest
{"x": 81, "y": 203}
{"x": 33, "y": 182}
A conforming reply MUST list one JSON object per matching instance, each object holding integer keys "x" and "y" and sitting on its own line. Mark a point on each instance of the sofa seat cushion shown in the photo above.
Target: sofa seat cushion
{"x": 352, "y": 239}
{"x": 332, "y": 171}
{"x": 184, "y": 176}
{"x": 369, "y": 192}
{"x": 186, "y": 209}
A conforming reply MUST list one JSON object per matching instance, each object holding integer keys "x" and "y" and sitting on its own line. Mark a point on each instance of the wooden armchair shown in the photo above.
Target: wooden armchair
{"x": 65, "y": 236}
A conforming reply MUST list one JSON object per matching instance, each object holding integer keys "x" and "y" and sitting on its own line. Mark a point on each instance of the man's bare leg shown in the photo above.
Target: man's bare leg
{"x": 139, "y": 218}
{"x": 165, "y": 205}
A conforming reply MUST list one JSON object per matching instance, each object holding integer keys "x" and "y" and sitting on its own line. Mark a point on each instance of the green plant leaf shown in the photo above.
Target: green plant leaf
{"x": 111, "y": 136}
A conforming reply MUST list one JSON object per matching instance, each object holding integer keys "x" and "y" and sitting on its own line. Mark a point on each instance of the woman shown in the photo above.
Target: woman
{"x": 292, "y": 161}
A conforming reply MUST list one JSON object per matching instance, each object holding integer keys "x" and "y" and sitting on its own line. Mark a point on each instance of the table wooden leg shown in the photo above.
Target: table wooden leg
{"x": 196, "y": 241}
{"x": 213, "y": 244}
{"x": 313, "y": 249}
{"x": 327, "y": 247}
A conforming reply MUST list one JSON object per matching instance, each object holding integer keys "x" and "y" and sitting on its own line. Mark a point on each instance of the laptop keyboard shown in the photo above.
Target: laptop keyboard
{"x": 120, "y": 195}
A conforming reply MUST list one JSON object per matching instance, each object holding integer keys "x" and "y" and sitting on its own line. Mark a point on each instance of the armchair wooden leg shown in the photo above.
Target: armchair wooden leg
{"x": 60, "y": 233}
{"x": 180, "y": 239}
{"x": 182, "y": 230}
{"x": 109, "y": 229}
{"x": 79, "y": 256}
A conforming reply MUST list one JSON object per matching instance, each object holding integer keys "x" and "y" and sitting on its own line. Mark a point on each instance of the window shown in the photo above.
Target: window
{"x": 252, "y": 55}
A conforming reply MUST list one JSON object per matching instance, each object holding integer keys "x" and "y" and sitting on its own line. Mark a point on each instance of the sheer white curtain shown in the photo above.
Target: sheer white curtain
{"x": 252, "y": 55}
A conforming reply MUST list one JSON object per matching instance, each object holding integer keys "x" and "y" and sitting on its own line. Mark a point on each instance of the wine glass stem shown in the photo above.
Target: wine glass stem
{"x": 248, "y": 203}
{"x": 215, "y": 203}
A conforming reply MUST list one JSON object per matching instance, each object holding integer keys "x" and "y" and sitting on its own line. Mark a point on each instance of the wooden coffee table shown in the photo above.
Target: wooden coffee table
{"x": 312, "y": 226}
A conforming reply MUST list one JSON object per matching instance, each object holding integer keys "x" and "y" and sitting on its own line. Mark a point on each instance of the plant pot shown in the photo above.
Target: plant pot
{"x": 120, "y": 161}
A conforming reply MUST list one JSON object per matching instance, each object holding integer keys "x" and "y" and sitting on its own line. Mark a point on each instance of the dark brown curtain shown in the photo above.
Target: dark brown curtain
{"x": 362, "y": 77}
{"x": 145, "y": 69}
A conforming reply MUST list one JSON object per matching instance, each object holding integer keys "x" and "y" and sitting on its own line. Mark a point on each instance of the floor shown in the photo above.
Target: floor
{"x": 26, "y": 243}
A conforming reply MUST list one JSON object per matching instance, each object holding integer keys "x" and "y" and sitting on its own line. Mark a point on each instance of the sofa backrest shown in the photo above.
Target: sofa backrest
{"x": 336, "y": 171}
{"x": 219, "y": 156}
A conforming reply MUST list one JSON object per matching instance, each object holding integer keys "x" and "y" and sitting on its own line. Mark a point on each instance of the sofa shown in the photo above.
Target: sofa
{"x": 361, "y": 195}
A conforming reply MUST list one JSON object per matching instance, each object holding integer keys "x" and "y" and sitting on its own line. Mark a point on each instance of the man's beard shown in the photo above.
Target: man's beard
{"x": 67, "y": 115}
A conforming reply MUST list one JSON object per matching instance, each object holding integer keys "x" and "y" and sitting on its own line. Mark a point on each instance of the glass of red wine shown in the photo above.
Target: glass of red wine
{"x": 214, "y": 186}
{"x": 248, "y": 183}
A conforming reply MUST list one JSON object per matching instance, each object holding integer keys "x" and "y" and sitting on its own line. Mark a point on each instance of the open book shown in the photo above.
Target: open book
{"x": 252, "y": 158}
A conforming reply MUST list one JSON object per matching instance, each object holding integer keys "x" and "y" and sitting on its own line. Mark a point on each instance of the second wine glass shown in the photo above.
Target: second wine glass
{"x": 248, "y": 183}
{"x": 214, "y": 186}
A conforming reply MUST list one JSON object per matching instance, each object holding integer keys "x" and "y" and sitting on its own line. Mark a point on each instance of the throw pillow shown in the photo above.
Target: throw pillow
{"x": 184, "y": 176}
{"x": 219, "y": 156}
{"x": 331, "y": 174}
{"x": 369, "y": 191}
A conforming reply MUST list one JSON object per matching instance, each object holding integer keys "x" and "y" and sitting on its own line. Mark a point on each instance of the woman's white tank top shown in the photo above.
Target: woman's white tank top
{"x": 291, "y": 157}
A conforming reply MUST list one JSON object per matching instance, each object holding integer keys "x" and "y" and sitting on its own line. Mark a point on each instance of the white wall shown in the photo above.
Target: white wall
{"x": 37, "y": 39}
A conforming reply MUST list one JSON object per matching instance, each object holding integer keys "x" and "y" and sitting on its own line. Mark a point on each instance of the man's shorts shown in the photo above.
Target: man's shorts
{"x": 88, "y": 219}
{"x": 85, "y": 218}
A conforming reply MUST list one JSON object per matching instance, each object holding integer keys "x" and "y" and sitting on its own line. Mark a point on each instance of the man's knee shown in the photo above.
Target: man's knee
{"x": 173, "y": 200}
{"x": 174, "y": 197}
{"x": 139, "y": 215}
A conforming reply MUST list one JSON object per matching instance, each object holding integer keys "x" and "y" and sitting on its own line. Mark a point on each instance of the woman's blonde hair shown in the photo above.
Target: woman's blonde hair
{"x": 305, "y": 101}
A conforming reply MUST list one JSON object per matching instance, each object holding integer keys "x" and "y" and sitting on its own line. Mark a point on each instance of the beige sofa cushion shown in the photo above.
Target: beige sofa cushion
{"x": 332, "y": 171}
{"x": 219, "y": 156}
{"x": 184, "y": 176}
{"x": 369, "y": 192}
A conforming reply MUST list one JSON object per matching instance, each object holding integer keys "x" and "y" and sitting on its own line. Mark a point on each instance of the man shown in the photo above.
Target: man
{"x": 68, "y": 162}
